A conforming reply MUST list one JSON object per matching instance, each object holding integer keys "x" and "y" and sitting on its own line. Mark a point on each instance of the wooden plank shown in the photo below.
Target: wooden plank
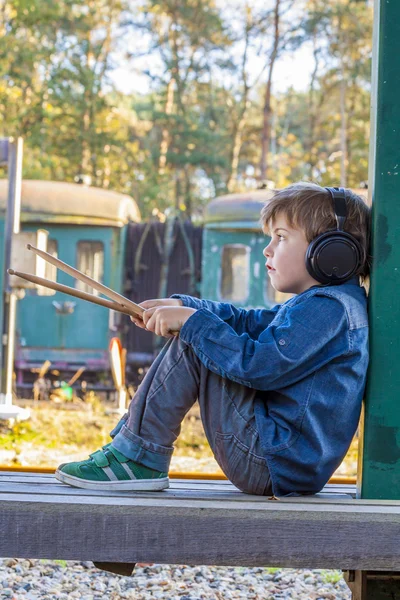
{"x": 338, "y": 490}
{"x": 6, "y": 476}
{"x": 178, "y": 493}
{"x": 133, "y": 529}
{"x": 196, "y": 523}
{"x": 226, "y": 482}
{"x": 184, "y": 484}
{"x": 157, "y": 499}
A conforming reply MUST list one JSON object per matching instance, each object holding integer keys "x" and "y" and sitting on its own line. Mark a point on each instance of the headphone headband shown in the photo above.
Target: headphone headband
{"x": 339, "y": 201}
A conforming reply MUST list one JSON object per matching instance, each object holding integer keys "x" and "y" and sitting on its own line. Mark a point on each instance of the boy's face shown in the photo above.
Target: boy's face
{"x": 285, "y": 256}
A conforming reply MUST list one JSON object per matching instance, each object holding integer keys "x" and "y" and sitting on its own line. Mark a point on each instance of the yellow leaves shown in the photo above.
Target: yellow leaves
{"x": 14, "y": 93}
{"x": 290, "y": 139}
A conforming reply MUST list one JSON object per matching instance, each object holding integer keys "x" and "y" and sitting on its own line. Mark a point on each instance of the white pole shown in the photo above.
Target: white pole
{"x": 122, "y": 395}
{"x": 12, "y": 227}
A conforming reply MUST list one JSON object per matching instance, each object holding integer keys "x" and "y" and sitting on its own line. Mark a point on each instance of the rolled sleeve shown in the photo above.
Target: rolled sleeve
{"x": 311, "y": 334}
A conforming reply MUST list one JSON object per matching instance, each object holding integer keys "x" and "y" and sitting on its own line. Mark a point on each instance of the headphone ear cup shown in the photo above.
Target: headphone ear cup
{"x": 333, "y": 257}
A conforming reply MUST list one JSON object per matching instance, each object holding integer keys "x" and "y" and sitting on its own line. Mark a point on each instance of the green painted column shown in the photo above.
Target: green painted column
{"x": 379, "y": 464}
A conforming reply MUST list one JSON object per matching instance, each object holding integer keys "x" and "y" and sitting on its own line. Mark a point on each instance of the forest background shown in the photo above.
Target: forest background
{"x": 208, "y": 121}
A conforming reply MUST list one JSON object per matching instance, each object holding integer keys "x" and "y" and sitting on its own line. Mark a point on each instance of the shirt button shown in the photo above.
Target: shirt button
{"x": 281, "y": 342}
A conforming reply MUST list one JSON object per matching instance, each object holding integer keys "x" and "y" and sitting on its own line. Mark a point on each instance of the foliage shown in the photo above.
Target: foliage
{"x": 199, "y": 128}
{"x": 331, "y": 576}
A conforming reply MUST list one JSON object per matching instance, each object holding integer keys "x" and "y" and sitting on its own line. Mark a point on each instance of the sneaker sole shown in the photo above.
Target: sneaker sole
{"x": 131, "y": 485}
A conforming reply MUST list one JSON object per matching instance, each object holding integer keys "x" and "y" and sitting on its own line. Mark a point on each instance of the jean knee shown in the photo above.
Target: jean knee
{"x": 247, "y": 471}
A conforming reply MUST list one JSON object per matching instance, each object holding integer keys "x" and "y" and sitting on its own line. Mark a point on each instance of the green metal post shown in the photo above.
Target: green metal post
{"x": 380, "y": 458}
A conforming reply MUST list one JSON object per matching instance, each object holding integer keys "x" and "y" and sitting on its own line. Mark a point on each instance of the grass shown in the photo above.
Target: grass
{"x": 51, "y": 429}
{"x": 332, "y": 577}
{"x": 272, "y": 570}
{"x": 61, "y": 430}
{"x": 54, "y": 432}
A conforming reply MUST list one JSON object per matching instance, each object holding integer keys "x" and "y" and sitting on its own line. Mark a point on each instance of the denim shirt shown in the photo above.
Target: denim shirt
{"x": 308, "y": 359}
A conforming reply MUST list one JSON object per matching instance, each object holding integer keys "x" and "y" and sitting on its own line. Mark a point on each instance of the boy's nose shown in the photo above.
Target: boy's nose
{"x": 267, "y": 251}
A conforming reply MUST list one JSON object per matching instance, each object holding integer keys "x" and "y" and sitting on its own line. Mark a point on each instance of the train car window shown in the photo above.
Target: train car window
{"x": 50, "y": 270}
{"x": 91, "y": 262}
{"x": 235, "y": 273}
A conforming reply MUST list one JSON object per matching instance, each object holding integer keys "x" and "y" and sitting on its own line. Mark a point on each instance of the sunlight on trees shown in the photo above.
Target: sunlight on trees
{"x": 210, "y": 120}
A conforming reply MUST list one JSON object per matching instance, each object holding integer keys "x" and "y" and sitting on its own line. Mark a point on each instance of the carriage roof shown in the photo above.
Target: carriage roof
{"x": 238, "y": 208}
{"x": 243, "y": 209}
{"x": 60, "y": 202}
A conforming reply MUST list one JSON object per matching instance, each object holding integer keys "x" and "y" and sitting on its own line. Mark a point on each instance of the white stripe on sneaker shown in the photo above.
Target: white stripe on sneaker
{"x": 127, "y": 470}
{"x": 110, "y": 473}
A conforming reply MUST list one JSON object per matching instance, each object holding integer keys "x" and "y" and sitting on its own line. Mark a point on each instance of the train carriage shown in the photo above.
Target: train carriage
{"x": 87, "y": 229}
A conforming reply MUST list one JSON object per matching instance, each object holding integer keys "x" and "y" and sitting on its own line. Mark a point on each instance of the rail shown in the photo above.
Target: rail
{"x": 172, "y": 474}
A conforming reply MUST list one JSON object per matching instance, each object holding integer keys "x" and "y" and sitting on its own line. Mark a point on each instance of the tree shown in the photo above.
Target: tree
{"x": 347, "y": 26}
{"x": 184, "y": 34}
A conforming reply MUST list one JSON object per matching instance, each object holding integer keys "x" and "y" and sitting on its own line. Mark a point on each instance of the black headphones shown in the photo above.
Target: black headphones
{"x": 335, "y": 255}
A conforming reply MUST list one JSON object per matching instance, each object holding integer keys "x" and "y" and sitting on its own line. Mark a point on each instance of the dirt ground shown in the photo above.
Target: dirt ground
{"x": 59, "y": 433}
{"x": 68, "y": 432}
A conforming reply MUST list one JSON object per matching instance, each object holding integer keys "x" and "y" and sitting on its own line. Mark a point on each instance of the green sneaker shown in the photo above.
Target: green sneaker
{"x": 107, "y": 469}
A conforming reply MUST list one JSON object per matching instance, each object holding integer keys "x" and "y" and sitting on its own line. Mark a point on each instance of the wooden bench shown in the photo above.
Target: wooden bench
{"x": 197, "y": 522}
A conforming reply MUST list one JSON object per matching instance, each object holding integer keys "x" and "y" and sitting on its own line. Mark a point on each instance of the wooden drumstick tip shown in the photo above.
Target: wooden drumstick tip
{"x": 29, "y": 246}
{"x": 11, "y": 271}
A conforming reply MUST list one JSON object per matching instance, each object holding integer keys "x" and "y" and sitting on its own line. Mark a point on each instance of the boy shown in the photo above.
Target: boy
{"x": 279, "y": 389}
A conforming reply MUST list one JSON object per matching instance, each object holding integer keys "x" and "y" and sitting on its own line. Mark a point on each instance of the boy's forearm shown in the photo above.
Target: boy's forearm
{"x": 252, "y": 321}
{"x": 235, "y": 317}
{"x": 223, "y": 310}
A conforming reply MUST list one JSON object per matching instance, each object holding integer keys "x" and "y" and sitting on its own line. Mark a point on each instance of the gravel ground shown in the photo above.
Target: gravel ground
{"x": 50, "y": 580}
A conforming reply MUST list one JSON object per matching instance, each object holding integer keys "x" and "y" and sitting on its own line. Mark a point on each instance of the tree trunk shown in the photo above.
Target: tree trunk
{"x": 86, "y": 152}
{"x": 240, "y": 122}
{"x": 343, "y": 128}
{"x": 267, "y": 112}
{"x": 312, "y": 155}
{"x": 188, "y": 193}
{"x": 165, "y": 132}
{"x": 85, "y": 159}
{"x": 237, "y": 144}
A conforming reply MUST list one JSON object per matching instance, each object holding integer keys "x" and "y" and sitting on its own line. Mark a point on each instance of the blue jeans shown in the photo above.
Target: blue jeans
{"x": 175, "y": 380}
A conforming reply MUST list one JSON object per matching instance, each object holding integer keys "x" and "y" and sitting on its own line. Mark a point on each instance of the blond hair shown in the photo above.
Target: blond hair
{"x": 309, "y": 207}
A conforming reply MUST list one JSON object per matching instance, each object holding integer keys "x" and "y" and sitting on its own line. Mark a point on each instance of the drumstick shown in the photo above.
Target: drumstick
{"x": 135, "y": 308}
{"x": 65, "y": 289}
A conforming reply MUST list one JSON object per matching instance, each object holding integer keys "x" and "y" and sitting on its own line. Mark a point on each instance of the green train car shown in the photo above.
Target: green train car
{"x": 87, "y": 229}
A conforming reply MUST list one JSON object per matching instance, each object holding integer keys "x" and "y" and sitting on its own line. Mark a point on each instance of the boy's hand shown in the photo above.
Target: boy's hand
{"x": 162, "y": 320}
{"x": 155, "y": 303}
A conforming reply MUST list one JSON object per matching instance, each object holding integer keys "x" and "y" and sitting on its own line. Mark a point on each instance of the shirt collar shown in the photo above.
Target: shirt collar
{"x": 355, "y": 280}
